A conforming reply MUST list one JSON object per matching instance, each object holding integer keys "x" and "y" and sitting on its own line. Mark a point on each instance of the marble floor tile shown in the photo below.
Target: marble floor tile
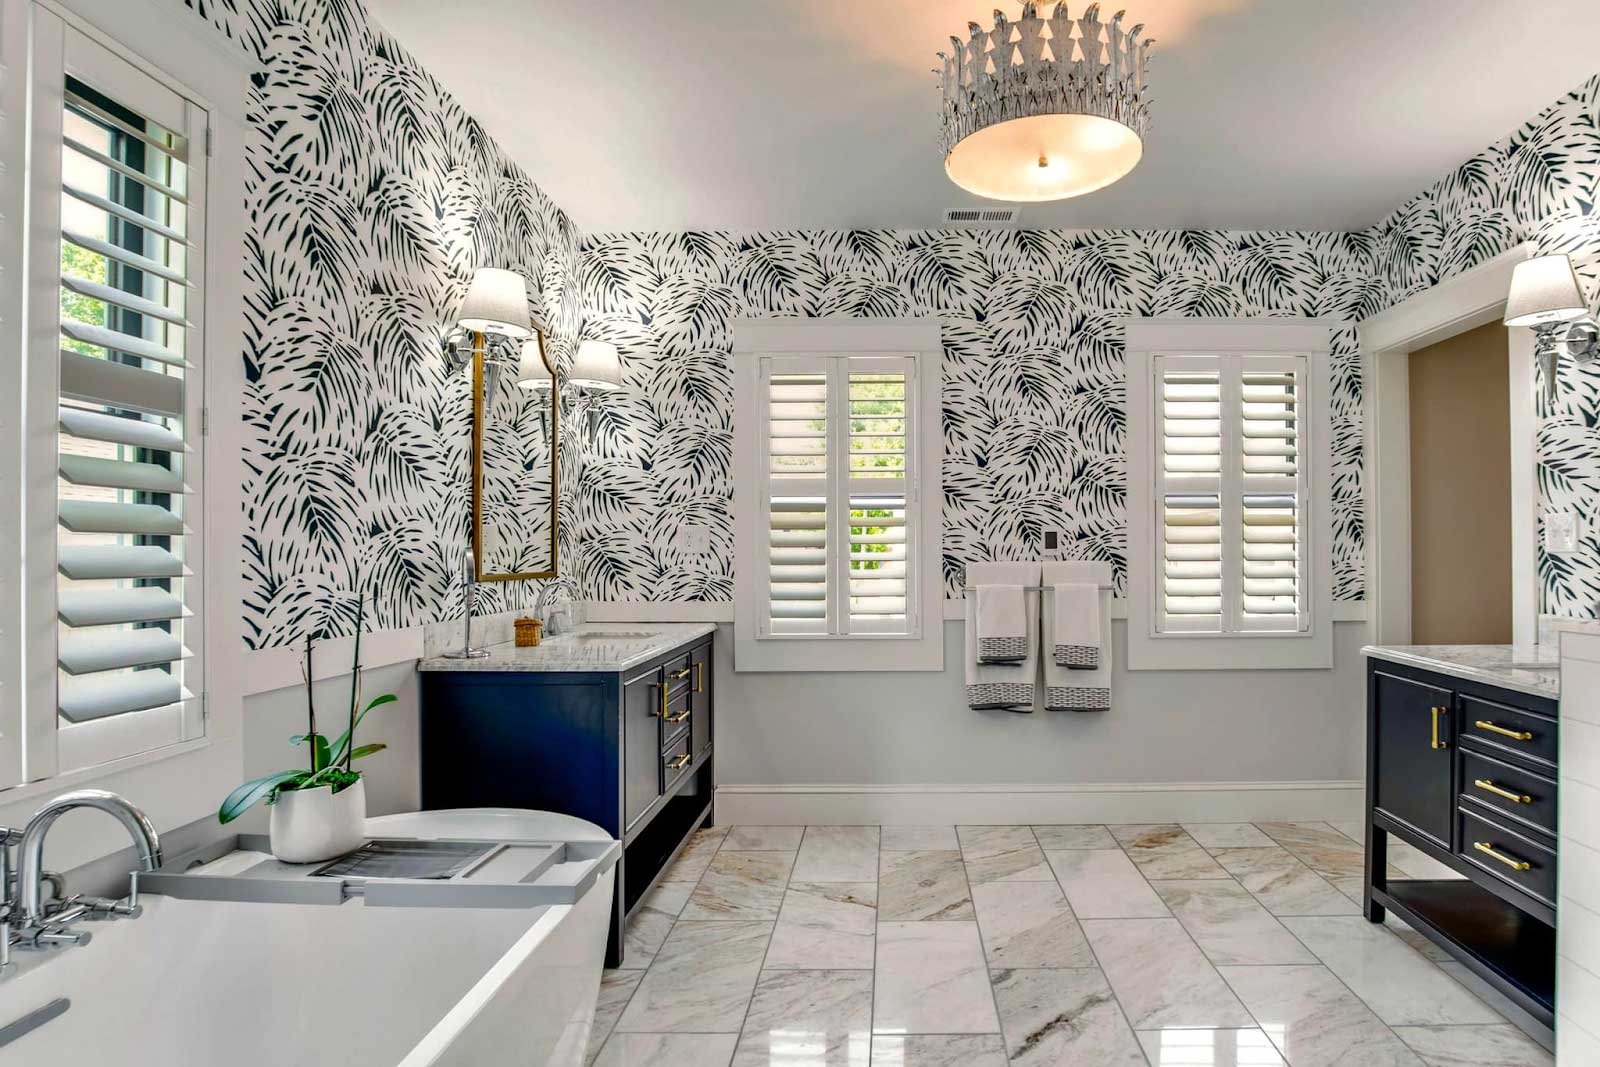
{"x": 1103, "y": 883}
{"x": 701, "y": 980}
{"x": 1160, "y": 977}
{"x": 1209, "y": 1048}
{"x": 808, "y": 1019}
{"x": 918, "y": 839}
{"x": 1214, "y": 835}
{"x": 1085, "y": 835}
{"x": 1321, "y": 847}
{"x": 1166, "y": 850}
{"x": 1002, "y": 854}
{"x": 1416, "y": 940}
{"x": 650, "y": 923}
{"x": 1402, "y": 987}
{"x": 1474, "y": 1046}
{"x": 667, "y": 1050}
{"x": 615, "y": 989}
{"x": 764, "y": 838}
{"x": 1028, "y": 924}
{"x": 741, "y": 885}
{"x": 1498, "y": 1001}
{"x": 923, "y": 885}
{"x": 1283, "y": 884}
{"x": 696, "y": 856}
{"x": 825, "y": 925}
{"x": 1228, "y": 924}
{"x": 1415, "y": 863}
{"x": 1354, "y": 829}
{"x": 1059, "y": 1018}
{"x": 938, "y": 1050}
{"x": 838, "y": 854}
{"x": 1314, "y": 1020}
{"x": 931, "y": 978}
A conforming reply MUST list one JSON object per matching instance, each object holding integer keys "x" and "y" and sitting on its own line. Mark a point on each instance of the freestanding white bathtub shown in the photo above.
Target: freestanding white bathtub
{"x": 195, "y": 983}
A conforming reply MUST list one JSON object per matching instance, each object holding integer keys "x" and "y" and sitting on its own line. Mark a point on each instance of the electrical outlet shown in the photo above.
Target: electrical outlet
{"x": 1561, "y": 532}
{"x": 1054, "y": 543}
{"x": 695, "y": 537}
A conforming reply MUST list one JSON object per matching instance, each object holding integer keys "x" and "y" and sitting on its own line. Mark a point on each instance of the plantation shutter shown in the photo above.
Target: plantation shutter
{"x": 839, "y": 496}
{"x": 127, "y": 426}
{"x": 1231, "y": 495}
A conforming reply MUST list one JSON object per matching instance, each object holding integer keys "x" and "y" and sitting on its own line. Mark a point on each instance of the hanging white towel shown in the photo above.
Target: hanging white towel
{"x": 1010, "y": 685}
{"x": 1002, "y": 624}
{"x": 1076, "y": 688}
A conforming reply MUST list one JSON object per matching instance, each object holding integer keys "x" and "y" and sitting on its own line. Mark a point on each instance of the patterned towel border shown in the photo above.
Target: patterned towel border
{"x": 1075, "y": 698}
{"x": 1077, "y": 657}
{"x": 1002, "y": 649}
{"x": 1008, "y": 696}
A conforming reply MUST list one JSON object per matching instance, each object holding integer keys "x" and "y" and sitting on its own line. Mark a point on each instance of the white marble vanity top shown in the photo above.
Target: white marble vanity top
{"x": 1525, "y": 670}
{"x": 607, "y": 646}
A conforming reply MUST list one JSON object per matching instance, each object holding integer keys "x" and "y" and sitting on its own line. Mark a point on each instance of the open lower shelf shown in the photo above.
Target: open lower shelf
{"x": 1506, "y": 946}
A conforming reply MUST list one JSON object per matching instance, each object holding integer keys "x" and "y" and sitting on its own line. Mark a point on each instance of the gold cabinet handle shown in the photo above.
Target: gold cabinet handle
{"x": 1489, "y": 787}
{"x": 678, "y": 676}
{"x": 1488, "y": 850}
{"x": 680, "y": 763}
{"x": 676, "y": 718}
{"x": 1515, "y": 735}
{"x": 699, "y": 679}
{"x": 1437, "y": 743}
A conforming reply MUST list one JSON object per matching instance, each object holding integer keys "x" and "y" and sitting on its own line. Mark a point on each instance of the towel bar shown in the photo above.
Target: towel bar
{"x": 1034, "y": 588}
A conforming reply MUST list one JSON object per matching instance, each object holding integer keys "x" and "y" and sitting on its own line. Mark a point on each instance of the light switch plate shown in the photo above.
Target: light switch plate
{"x": 1053, "y": 542}
{"x": 1560, "y": 532}
{"x": 695, "y": 537}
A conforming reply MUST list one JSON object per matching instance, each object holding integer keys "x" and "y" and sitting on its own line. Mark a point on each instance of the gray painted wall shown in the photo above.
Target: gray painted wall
{"x": 1166, "y": 726}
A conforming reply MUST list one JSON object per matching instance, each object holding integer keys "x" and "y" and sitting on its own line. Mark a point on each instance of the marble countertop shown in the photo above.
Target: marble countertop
{"x": 599, "y": 646}
{"x": 1525, "y": 670}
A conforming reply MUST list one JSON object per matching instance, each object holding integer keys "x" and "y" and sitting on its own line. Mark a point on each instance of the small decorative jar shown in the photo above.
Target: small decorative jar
{"x": 527, "y": 631}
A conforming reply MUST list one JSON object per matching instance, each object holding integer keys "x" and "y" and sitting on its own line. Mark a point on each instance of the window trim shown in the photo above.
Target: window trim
{"x": 919, "y": 339}
{"x": 179, "y": 783}
{"x": 1148, "y": 647}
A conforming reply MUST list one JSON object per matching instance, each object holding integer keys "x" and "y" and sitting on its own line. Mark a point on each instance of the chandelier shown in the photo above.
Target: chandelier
{"x": 1044, "y": 108}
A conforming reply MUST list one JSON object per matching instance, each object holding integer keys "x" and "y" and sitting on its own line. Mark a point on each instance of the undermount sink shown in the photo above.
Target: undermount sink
{"x": 609, "y": 635}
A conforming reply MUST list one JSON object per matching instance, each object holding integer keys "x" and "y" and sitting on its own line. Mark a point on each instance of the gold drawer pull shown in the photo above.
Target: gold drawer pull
{"x": 1489, "y": 787}
{"x": 1515, "y": 735}
{"x": 1436, "y": 713}
{"x": 680, "y": 763}
{"x": 699, "y": 679}
{"x": 1488, "y": 850}
{"x": 678, "y": 676}
{"x": 676, "y": 718}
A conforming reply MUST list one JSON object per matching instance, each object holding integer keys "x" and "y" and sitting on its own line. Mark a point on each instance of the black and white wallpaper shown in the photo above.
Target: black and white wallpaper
{"x": 372, "y": 196}
{"x": 1033, "y": 393}
{"x": 1541, "y": 184}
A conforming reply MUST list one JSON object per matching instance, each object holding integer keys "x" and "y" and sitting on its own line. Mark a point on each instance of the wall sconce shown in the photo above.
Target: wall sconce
{"x": 596, "y": 370}
{"x": 1546, "y": 296}
{"x": 535, "y": 376}
{"x": 493, "y": 320}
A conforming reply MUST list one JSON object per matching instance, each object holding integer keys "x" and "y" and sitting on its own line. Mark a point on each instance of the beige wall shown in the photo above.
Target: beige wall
{"x": 1461, "y": 490}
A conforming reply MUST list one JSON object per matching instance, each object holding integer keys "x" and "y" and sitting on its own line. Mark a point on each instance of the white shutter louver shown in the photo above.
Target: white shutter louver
{"x": 838, "y": 441}
{"x": 1191, "y": 572}
{"x": 1271, "y": 501}
{"x": 127, "y": 351}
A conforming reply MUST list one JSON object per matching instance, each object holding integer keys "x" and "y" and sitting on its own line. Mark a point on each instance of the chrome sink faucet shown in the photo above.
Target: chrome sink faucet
{"x": 557, "y": 617}
{"x": 469, "y": 582}
{"x": 25, "y": 918}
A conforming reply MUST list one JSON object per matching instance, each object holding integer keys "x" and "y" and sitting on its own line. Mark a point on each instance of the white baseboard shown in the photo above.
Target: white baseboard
{"x": 1096, "y": 802}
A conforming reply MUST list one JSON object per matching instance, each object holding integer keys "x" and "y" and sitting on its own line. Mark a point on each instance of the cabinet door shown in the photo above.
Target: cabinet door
{"x": 641, "y": 744}
{"x": 701, "y": 699}
{"x": 1412, "y": 734}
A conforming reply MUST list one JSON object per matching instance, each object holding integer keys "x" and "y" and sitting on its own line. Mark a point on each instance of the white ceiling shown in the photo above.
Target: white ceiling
{"x": 769, "y": 114}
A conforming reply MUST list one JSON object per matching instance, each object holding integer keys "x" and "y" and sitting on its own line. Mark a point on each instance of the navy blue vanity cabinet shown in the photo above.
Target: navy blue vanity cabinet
{"x": 1465, "y": 772}
{"x": 629, "y": 750}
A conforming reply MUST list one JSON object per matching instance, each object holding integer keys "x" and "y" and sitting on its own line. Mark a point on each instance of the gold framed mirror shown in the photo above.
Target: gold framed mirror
{"x": 515, "y": 479}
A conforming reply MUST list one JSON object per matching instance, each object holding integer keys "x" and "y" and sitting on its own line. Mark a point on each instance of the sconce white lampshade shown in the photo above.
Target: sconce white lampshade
{"x": 597, "y": 367}
{"x": 531, "y": 371}
{"x": 1543, "y": 290}
{"x": 497, "y": 302}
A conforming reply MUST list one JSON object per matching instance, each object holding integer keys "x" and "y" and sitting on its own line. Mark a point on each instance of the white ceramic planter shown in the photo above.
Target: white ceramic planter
{"x": 310, "y": 825}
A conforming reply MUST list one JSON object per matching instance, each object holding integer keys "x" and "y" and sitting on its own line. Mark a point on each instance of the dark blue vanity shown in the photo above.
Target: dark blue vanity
{"x": 613, "y": 724}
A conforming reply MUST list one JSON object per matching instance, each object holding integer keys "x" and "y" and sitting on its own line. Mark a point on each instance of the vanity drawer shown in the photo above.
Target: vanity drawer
{"x": 675, "y": 761}
{"x": 679, "y": 673}
{"x": 1513, "y": 857}
{"x": 1498, "y": 728}
{"x": 1514, "y": 792}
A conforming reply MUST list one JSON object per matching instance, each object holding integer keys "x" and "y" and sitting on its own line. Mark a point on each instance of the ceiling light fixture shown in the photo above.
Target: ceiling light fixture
{"x": 1035, "y": 112}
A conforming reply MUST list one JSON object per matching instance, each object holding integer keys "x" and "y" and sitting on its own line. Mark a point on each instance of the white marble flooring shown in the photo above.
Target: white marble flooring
{"x": 1194, "y": 945}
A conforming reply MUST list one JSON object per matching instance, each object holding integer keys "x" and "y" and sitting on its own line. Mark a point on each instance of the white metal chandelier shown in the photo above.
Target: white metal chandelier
{"x": 1033, "y": 111}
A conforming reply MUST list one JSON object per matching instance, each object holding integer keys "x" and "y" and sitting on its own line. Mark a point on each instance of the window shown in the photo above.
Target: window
{"x": 112, "y": 641}
{"x": 1229, "y": 539}
{"x": 838, "y": 557}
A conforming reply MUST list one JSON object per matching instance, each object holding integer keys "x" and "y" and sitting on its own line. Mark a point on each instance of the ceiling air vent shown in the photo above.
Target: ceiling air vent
{"x": 981, "y": 216}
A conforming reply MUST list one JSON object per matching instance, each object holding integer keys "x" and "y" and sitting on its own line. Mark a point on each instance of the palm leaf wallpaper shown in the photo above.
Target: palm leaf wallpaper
{"x": 372, "y": 196}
